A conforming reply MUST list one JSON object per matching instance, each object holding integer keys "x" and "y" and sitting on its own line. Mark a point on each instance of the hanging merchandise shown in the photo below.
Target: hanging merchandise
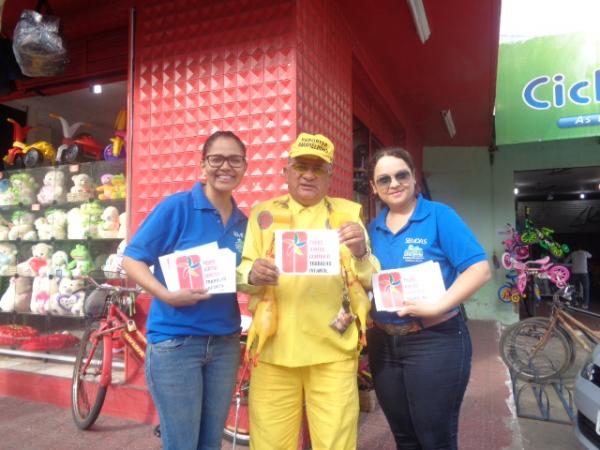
{"x": 37, "y": 43}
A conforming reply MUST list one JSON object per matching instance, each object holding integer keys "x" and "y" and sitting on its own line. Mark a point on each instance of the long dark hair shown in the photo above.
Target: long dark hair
{"x": 396, "y": 152}
{"x": 221, "y": 134}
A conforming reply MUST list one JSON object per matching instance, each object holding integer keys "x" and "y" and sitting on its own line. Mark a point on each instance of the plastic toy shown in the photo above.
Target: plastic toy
{"x": 22, "y": 227}
{"x": 75, "y": 147}
{"x": 81, "y": 263}
{"x": 116, "y": 148}
{"x": 27, "y": 155}
{"x": 53, "y": 189}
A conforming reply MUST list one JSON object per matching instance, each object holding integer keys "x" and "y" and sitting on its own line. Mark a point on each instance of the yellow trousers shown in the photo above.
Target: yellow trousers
{"x": 331, "y": 399}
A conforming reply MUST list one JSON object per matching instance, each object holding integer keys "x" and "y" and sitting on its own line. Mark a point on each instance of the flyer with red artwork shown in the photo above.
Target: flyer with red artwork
{"x": 307, "y": 252}
{"x": 421, "y": 282}
{"x": 205, "y": 267}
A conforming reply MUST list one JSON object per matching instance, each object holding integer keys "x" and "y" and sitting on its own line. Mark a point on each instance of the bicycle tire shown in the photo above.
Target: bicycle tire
{"x": 87, "y": 395}
{"x": 553, "y": 359}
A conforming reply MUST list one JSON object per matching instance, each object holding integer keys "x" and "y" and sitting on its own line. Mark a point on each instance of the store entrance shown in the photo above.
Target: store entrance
{"x": 567, "y": 201}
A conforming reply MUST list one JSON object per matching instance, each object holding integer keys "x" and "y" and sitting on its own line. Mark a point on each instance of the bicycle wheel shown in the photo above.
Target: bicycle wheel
{"x": 517, "y": 350}
{"x": 87, "y": 395}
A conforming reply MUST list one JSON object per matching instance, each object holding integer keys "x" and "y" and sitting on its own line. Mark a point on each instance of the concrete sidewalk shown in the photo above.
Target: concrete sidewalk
{"x": 488, "y": 421}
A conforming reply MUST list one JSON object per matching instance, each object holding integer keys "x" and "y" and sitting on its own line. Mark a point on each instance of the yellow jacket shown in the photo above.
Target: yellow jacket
{"x": 306, "y": 304}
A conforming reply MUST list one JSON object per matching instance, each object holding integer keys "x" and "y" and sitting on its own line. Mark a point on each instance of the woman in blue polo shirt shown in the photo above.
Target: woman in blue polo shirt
{"x": 420, "y": 357}
{"x": 193, "y": 337}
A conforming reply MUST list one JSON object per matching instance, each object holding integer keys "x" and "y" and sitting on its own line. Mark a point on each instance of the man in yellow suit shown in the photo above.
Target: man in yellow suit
{"x": 307, "y": 361}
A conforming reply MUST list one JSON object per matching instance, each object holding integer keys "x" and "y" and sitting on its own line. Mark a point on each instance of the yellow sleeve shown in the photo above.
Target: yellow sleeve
{"x": 364, "y": 269}
{"x": 252, "y": 251}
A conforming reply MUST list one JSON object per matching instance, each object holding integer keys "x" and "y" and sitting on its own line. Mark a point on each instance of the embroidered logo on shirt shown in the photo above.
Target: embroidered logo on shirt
{"x": 413, "y": 253}
{"x": 265, "y": 220}
{"x": 239, "y": 241}
{"x": 409, "y": 240}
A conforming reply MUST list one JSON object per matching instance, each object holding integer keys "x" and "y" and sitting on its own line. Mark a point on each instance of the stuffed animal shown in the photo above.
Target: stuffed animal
{"x": 120, "y": 186}
{"x": 53, "y": 189}
{"x": 8, "y": 259}
{"x": 23, "y": 187}
{"x": 122, "y": 233}
{"x": 53, "y": 225}
{"x": 69, "y": 298}
{"x": 109, "y": 227}
{"x": 4, "y": 228}
{"x": 112, "y": 267}
{"x": 42, "y": 289}
{"x": 41, "y": 253}
{"x": 22, "y": 227}
{"x": 82, "y": 188}
{"x": 82, "y": 261}
{"x": 57, "y": 267}
{"x": 75, "y": 228}
{"x": 17, "y": 296}
{"x": 7, "y": 195}
{"x": 106, "y": 191}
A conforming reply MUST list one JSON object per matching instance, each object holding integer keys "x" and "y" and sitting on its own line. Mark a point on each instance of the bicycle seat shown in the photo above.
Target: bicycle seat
{"x": 542, "y": 261}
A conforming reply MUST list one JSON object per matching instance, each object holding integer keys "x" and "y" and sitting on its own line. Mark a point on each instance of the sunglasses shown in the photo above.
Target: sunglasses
{"x": 401, "y": 177}
{"x": 318, "y": 171}
{"x": 234, "y": 161}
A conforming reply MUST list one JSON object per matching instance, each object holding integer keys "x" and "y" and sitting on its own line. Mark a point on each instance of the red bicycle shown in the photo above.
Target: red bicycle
{"x": 110, "y": 309}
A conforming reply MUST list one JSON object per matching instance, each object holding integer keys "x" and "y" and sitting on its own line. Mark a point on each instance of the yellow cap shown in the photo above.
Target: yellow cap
{"x": 312, "y": 145}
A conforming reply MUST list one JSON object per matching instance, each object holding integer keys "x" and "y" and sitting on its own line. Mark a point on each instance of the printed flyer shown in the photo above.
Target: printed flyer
{"x": 205, "y": 267}
{"x": 421, "y": 282}
{"x": 307, "y": 252}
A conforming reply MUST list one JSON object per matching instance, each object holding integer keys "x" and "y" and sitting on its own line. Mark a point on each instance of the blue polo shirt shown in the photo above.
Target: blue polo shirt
{"x": 434, "y": 232}
{"x": 181, "y": 221}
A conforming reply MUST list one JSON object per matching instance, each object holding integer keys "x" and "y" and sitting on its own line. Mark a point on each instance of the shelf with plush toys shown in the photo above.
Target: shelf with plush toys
{"x": 58, "y": 223}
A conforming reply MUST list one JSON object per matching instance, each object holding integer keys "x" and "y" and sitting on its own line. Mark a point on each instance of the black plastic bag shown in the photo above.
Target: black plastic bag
{"x": 38, "y": 45}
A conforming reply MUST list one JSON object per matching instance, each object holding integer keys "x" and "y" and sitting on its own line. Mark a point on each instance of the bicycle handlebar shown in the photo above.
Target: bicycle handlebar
{"x": 111, "y": 287}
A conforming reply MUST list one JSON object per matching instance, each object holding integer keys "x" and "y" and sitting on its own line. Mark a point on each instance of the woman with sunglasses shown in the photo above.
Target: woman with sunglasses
{"x": 420, "y": 356}
{"x": 193, "y": 337}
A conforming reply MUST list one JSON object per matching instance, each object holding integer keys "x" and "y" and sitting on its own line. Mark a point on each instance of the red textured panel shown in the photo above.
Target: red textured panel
{"x": 324, "y": 83}
{"x": 203, "y": 66}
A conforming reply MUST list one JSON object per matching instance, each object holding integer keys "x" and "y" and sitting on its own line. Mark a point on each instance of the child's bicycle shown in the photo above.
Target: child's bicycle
{"x": 541, "y": 348}
{"x": 109, "y": 309}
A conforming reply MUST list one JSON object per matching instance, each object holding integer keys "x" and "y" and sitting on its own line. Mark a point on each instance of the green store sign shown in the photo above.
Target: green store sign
{"x": 548, "y": 88}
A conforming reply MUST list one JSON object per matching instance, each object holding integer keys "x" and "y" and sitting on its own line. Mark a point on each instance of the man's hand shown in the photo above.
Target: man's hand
{"x": 353, "y": 235}
{"x": 185, "y": 297}
{"x": 263, "y": 273}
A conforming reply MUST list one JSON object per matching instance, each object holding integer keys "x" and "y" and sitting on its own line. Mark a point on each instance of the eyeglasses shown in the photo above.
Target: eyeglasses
{"x": 401, "y": 177}
{"x": 318, "y": 171}
{"x": 234, "y": 161}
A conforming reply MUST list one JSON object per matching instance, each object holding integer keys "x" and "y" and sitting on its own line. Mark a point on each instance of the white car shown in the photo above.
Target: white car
{"x": 587, "y": 401}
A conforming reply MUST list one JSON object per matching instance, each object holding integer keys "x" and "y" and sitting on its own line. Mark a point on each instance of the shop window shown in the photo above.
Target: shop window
{"x": 62, "y": 208}
{"x": 364, "y": 144}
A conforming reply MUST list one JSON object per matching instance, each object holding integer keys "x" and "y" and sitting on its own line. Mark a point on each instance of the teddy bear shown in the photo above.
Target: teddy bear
{"x": 106, "y": 190}
{"x": 112, "y": 267}
{"x": 53, "y": 188}
{"x": 119, "y": 186}
{"x": 7, "y": 195}
{"x": 42, "y": 289}
{"x": 82, "y": 188}
{"x": 122, "y": 233}
{"x": 81, "y": 263}
{"x": 91, "y": 213}
{"x": 109, "y": 227}
{"x": 75, "y": 228}
{"x": 8, "y": 259}
{"x": 22, "y": 226}
{"x": 52, "y": 225}
{"x": 57, "y": 266}
{"x": 23, "y": 187}
{"x": 17, "y": 295}
{"x": 41, "y": 253}
{"x": 69, "y": 298}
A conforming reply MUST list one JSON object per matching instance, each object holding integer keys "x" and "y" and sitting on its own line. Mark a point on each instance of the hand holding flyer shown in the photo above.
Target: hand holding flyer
{"x": 421, "y": 283}
{"x": 204, "y": 267}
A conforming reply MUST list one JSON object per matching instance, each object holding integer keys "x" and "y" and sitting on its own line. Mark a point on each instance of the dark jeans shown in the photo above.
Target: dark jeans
{"x": 420, "y": 380}
{"x": 582, "y": 279}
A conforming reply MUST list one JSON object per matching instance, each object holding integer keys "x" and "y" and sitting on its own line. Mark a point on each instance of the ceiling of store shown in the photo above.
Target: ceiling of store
{"x": 455, "y": 69}
{"x": 553, "y": 184}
